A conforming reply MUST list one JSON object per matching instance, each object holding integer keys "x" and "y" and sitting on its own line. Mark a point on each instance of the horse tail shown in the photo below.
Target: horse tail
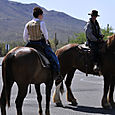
{"x": 7, "y": 77}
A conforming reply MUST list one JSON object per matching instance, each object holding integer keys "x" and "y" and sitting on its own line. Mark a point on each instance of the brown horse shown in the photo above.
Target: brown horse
{"x": 72, "y": 57}
{"x": 23, "y": 66}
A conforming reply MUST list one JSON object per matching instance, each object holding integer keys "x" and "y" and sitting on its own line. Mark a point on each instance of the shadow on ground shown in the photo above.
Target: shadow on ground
{"x": 90, "y": 110}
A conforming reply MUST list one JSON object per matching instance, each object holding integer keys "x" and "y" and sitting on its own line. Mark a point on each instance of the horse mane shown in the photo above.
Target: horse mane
{"x": 111, "y": 42}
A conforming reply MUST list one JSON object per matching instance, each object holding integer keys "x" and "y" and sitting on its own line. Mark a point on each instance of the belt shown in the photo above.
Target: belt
{"x": 37, "y": 40}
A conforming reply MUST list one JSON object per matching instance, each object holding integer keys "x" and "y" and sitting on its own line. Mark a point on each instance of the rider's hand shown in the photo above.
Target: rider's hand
{"x": 102, "y": 36}
{"x": 48, "y": 43}
{"x": 100, "y": 41}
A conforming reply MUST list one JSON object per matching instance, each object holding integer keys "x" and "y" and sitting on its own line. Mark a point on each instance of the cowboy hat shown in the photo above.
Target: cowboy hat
{"x": 94, "y": 13}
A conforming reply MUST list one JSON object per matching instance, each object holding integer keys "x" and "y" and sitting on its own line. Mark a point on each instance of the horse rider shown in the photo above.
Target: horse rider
{"x": 35, "y": 32}
{"x": 94, "y": 38}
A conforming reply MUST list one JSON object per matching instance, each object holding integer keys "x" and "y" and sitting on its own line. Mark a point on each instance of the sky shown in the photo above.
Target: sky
{"x": 80, "y": 9}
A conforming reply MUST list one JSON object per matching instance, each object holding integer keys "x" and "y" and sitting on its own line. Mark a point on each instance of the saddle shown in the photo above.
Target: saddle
{"x": 44, "y": 61}
{"x": 84, "y": 48}
{"x": 86, "y": 51}
{"x": 40, "y": 50}
{"x": 88, "y": 54}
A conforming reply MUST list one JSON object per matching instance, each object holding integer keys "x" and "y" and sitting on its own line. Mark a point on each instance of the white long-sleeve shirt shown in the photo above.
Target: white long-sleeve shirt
{"x": 42, "y": 27}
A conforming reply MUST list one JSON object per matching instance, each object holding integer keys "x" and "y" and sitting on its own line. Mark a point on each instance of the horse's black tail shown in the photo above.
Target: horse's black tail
{"x": 7, "y": 79}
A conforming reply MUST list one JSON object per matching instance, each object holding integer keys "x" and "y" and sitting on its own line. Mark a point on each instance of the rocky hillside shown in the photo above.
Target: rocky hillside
{"x": 14, "y": 15}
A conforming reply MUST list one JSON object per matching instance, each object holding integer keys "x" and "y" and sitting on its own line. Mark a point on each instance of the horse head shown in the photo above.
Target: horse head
{"x": 111, "y": 43}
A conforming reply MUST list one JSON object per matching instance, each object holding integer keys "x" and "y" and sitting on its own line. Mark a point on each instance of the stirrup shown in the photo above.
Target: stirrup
{"x": 96, "y": 68}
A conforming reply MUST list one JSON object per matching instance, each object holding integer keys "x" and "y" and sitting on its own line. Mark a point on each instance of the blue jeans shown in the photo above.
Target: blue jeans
{"x": 52, "y": 58}
{"x": 48, "y": 52}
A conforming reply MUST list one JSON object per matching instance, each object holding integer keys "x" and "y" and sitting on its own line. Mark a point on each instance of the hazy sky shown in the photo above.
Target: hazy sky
{"x": 80, "y": 8}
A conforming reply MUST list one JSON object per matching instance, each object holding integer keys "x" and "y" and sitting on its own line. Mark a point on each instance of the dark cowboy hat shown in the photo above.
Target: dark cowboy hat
{"x": 94, "y": 13}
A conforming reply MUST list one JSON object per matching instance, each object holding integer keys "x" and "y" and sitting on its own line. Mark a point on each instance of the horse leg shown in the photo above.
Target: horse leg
{"x": 56, "y": 95}
{"x": 105, "y": 103}
{"x": 5, "y": 97}
{"x": 48, "y": 93}
{"x": 70, "y": 96}
{"x": 22, "y": 91}
{"x": 3, "y": 102}
{"x": 39, "y": 97}
{"x": 111, "y": 100}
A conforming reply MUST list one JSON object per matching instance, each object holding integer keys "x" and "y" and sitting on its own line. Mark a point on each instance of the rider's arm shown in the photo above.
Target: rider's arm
{"x": 89, "y": 33}
{"x": 25, "y": 34}
{"x": 44, "y": 30}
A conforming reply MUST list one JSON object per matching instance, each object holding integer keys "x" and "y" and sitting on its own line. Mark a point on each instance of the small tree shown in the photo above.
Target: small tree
{"x": 79, "y": 38}
{"x": 108, "y": 31}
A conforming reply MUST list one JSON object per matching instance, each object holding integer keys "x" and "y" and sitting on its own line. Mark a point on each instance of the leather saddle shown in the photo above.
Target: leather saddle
{"x": 84, "y": 47}
{"x": 40, "y": 50}
{"x": 44, "y": 61}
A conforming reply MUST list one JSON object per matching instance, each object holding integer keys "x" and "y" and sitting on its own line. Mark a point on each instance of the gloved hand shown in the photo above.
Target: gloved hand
{"x": 100, "y": 41}
{"x": 102, "y": 36}
{"x": 48, "y": 43}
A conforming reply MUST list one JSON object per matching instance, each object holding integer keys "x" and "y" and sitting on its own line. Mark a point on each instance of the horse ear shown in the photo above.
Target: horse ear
{"x": 110, "y": 41}
{"x": 112, "y": 36}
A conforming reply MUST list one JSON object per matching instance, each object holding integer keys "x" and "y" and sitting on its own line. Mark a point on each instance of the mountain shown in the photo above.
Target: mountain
{"x": 14, "y": 16}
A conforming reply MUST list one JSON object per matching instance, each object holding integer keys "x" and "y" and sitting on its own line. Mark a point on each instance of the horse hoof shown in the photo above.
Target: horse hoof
{"x": 107, "y": 106}
{"x": 112, "y": 104}
{"x": 40, "y": 113}
{"x": 47, "y": 113}
{"x": 74, "y": 103}
{"x": 59, "y": 104}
